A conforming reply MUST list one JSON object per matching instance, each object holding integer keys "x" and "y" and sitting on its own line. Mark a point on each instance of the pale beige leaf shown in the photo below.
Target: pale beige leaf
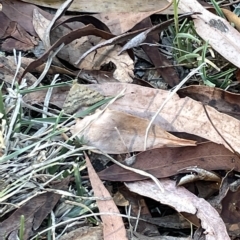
{"x": 40, "y": 24}
{"x": 178, "y": 115}
{"x": 113, "y": 226}
{"x": 100, "y": 132}
{"x": 184, "y": 201}
{"x": 121, "y": 22}
{"x": 214, "y": 29}
{"x": 108, "y": 6}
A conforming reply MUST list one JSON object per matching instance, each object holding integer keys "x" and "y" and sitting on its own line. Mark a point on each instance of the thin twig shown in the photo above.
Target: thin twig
{"x": 47, "y": 65}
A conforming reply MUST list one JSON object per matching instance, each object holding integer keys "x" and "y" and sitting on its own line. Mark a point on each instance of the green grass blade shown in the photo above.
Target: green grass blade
{"x": 188, "y": 57}
{"x": 218, "y": 9}
{"x": 2, "y": 107}
{"x": 20, "y": 151}
{"x": 188, "y": 36}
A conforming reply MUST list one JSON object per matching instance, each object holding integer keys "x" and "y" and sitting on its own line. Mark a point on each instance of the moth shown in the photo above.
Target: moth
{"x": 80, "y": 96}
{"x": 218, "y": 24}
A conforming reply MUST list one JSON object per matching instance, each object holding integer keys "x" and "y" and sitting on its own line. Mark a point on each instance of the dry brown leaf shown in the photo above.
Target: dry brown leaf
{"x": 66, "y": 39}
{"x": 109, "y": 55}
{"x": 227, "y": 204}
{"x": 113, "y": 226}
{"x": 178, "y": 115}
{"x": 184, "y": 201}
{"x": 120, "y": 200}
{"x": 8, "y": 70}
{"x": 195, "y": 174}
{"x": 223, "y": 101}
{"x": 114, "y": 40}
{"x": 35, "y": 211}
{"x": 230, "y": 207}
{"x": 214, "y": 29}
{"x": 232, "y": 18}
{"x": 166, "y": 162}
{"x": 118, "y": 132}
{"x": 93, "y": 76}
{"x": 16, "y": 37}
{"x": 58, "y": 96}
{"x": 114, "y": 58}
{"x": 20, "y": 12}
{"x": 135, "y": 200}
{"x": 169, "y": 74}
{"x": 108, "y": 6}
{"x": 122, "y": 22}
{"x": 230, "y": 212}
{"x": 52, "y": 70}
{"x": 123, "y": 69}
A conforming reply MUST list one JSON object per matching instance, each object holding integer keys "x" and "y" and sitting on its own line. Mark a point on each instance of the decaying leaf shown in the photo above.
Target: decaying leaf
{"x": 178, "y": 115}
{"x": 165, "y": 162}
{"x": 34, "y": 211}
{"x": 122, "y": 66}
{"x": 113, "y": 226}
{"x": 223, "y": 101}
{"x": 20, "y": 12}
{"x": 17, "y": 38}
{"x": 108, "y": 6}
{"x": 169, "y": 74}
{"x": 40, "y": 24}
{"x": 184, "y": 201}
{"x": 66, "y": 39}
{"x": 8, "y": 71}
{"x": 197, "y": 174}
{"x": 134, "y": 200}
{"x": 124, "y": 131}
{"x": 125, "y": 21}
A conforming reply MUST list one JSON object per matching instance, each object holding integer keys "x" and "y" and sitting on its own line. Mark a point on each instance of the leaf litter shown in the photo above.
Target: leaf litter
{"x": 117, "y": 229}
{"x": 47, "y": 126}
